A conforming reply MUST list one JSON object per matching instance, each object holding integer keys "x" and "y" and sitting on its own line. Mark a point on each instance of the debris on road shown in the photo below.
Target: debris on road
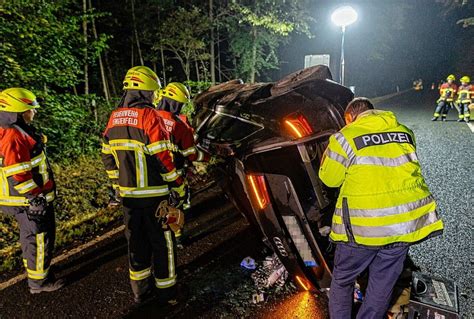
{"x": 272, "y": 272}
{"x": 248, "y": 263}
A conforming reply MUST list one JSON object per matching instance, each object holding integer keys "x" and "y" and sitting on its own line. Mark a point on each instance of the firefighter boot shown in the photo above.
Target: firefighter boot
{"x": 48, "y": 286}
{"x": 148, "y": 295}
{"x": 435, "y": 118}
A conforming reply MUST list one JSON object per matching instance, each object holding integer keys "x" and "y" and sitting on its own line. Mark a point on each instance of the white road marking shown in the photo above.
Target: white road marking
{"x": 471, "y": 126}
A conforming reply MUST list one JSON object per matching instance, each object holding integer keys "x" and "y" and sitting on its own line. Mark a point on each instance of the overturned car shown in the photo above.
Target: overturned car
{"x": 272, "y": 137}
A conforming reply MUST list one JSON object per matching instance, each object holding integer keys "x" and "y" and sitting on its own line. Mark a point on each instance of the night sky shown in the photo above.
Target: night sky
{"x": 392, "y": 43}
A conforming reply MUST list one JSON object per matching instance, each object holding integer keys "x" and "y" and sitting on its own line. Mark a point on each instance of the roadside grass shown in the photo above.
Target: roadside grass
{"x": 81, "y": 209}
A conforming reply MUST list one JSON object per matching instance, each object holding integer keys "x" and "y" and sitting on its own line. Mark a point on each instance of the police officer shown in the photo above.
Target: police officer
{"x": 447, "y": 92}
{"x": 138, "y": 161}
{"x": 27, "y": 187}
{"x": 384, "y": 206}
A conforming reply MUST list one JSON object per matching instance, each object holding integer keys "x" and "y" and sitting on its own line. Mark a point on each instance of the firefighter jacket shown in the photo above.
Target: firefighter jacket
{"x": 447, "y": 92}
{"x": 383, "y": 198}
{"x": 182, "y": 138}
{"x": 24, "y": 170}
{"x": 136, "y": 154}
{"x": 465, "y": 93}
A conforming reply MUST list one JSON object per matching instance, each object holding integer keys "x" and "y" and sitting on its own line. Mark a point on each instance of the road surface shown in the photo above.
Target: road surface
{"x": 217, "y": 287}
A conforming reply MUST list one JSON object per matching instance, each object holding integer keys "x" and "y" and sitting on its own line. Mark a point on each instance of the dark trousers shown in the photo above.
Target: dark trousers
{"x": 151, "y": 251}
{"x": 443, "y": 108}
{"x": 384, "y": 265}
{"x": 464, "y": 111}
{"x": 37, "y": 235}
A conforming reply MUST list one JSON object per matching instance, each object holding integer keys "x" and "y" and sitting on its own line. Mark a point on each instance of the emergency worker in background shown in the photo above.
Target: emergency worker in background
{"x": 137, "y": 160}
{"x": 172, "y": 99}
{"x": 465, "y": 97}
{"x": 447, "y": 93}
{"x": 384, "y": 206}
{"x": 27, "y": 187}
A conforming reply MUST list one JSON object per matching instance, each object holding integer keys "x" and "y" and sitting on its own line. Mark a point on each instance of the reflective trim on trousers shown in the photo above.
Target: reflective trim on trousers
{"x": 165, "y": 283}
{"x": 390, "y": 230}
{"x": 380, "y": 212}
{"x": 37, "y": 275}
{"x": 169, "y": 246}
{"x": 140, "y": 275}
{"x": 40, "y": 252}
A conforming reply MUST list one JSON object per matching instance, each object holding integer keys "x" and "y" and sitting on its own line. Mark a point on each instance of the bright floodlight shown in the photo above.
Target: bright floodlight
{"x": 343, "y": 16}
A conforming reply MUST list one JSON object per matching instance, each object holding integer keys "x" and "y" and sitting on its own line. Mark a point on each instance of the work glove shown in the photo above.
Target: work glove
{"x": 37, "y": 206}
{"x": 176, "y": 200}
{"x": 169, "y": 216}
{"x": 216, "y": 160}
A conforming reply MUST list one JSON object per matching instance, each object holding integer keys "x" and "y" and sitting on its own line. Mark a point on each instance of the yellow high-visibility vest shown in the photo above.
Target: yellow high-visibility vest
{"x": 383, "y": 198}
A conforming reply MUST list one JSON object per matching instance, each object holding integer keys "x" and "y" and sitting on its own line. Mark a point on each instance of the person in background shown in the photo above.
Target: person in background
{"x": 465, "y": 94}
{"x": 446, "y": 99}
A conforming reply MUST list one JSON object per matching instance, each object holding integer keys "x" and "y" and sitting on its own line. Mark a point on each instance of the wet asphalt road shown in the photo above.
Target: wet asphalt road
{"x": 217, "y": 287}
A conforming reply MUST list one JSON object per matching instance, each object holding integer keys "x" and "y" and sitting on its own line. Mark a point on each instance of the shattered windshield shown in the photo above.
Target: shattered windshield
{"x": 228, "y": 128}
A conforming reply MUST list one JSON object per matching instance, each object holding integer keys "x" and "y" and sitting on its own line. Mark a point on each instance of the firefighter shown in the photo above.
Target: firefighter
{"x": 137, "y": 160}
{"x": 465, "y": 93}
{"x": 446, "y": 99}
{"x": 27, "y": 187}
{"x": 171, "y": 101}
{"x": 384, "y": 206}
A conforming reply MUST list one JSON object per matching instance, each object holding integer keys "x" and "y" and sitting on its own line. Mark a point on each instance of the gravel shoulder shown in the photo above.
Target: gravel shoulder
{"x": 446, "y": 152}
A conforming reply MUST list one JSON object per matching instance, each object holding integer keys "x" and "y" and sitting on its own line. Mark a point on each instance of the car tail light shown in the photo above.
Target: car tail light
{"x": 302, "y": 283}
{"x": 298, "y": 126}
{"x": 259, "y": 190}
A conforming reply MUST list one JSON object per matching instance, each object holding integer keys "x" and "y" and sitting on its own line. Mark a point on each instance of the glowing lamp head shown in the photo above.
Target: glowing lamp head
{"x": 344, "y": 16}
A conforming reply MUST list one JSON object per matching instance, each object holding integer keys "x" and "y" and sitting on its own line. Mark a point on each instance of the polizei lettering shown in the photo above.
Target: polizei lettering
{"x": 125, "y": 117}
{"x": 382, "y": 138}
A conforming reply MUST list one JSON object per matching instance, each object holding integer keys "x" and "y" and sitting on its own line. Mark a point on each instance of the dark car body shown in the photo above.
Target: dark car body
{"x": 272, "y": 137}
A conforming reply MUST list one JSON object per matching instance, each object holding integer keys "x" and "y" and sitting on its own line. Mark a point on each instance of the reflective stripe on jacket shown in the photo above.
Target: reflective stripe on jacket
{"x": 447, "y": 92}
{"x": 464, "y": 93}
{"x": 24, "y": 169}
{"x": 136, "y": 154}
{"x": 383, "y": 197}
{"x": 182, "y": 137}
